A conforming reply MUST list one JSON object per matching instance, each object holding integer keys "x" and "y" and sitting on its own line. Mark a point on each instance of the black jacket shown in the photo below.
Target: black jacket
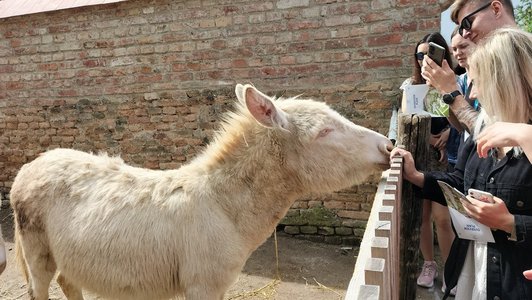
{"x": 511, "y": 180}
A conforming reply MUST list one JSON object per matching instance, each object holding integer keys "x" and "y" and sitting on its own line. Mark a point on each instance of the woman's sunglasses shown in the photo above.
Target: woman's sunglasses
{"x": 420, "y": 55}
{"x": 466, "y": 23}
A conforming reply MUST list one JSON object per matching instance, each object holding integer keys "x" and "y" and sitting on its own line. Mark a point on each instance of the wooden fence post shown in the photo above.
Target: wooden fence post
{"x": 387, "y": 263}
{"x": 412, "y": 132}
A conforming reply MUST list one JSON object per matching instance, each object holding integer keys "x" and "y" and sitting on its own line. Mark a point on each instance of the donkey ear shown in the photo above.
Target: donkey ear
{"x": 239, "y": 91}
{"x": 263, "y": 109}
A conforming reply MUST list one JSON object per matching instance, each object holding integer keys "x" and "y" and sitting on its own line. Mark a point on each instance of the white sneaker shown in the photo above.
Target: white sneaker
{"x": 428, "y": 273}
{"x": 451, "y": 293}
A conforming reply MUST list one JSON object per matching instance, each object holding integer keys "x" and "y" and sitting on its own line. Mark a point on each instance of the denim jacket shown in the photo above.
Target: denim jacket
{"x": 511, "y": 180}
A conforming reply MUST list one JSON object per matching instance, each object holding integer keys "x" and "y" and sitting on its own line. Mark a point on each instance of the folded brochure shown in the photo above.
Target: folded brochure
{"x": 466, "y": 227}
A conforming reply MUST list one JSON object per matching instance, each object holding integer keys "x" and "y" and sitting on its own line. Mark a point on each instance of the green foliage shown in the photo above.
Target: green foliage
{"x": 318, "y": 216}
{"x": 523, "y": 15}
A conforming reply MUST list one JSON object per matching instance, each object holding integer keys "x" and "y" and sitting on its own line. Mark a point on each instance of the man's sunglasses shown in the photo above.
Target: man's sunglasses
{"x": 420, "y": 55}
{"x": 466, "y": 23}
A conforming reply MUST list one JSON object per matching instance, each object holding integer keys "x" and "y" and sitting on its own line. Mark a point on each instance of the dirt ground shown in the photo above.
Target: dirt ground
{"x": 307, "y": 270}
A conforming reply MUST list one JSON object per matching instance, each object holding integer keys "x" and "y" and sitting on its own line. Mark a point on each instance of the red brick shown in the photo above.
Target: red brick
{"x": 385, "y": 40}
{"x": 91, "y": 63}
{"x": 239, "y": 63}
{"x": 189, "y": 54}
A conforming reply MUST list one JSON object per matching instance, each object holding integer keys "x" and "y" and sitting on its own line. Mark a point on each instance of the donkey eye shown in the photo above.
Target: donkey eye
{"x": 324, "y": 132}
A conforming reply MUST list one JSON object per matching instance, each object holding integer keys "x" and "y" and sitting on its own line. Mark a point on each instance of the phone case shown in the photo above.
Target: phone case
{"x": 480, "y": 195}
{"x": 436, "y": 53}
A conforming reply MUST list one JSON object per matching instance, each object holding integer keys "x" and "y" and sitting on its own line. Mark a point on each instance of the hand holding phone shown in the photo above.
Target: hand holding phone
{"x": 481, "y": 195}
{"x": 436, "y": 53}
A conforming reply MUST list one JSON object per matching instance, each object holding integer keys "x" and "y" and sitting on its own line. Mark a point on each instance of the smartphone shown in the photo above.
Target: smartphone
{"x": 480, "y": 195}
{"x": 436, "y": 53}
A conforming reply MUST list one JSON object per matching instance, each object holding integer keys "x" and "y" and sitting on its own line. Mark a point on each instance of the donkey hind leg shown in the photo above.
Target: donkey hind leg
{"x": 71, "y": 291}
{"x": 41, "y": 265}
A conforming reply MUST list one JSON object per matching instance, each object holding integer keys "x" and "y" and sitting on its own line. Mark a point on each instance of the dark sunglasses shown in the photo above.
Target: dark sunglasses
{"x": 420, "y": 55}
{"x": 466, "y": 23}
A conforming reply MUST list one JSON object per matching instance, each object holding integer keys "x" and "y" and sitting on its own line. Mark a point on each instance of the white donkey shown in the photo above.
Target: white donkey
{"x": 132, "y": 233}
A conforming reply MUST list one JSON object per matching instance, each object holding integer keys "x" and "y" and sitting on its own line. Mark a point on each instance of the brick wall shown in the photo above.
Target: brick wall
{"x": 149, "y": 79}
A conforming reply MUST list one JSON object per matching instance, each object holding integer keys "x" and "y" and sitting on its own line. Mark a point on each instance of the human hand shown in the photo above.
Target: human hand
{"x": 433, "y": 139}
{"x": 443, "y": 156}
{"x": 499, "y": 134}
{"x": 442, "y": 139}
{"x": 494, "y": 215}
{"x": 528, "y": 274}
{"x": 442, "y": 78}
{"x": 410, "y": 172}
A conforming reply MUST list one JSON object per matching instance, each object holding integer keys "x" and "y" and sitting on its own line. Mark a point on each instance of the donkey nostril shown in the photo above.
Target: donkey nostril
{"x": 386, "y": 148}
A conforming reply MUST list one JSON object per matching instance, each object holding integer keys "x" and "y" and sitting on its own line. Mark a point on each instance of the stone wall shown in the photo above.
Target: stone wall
{"x": 148, "y": 80}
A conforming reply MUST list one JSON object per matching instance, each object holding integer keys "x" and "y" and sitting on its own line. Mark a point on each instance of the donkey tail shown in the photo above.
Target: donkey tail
{"x": 19, "y": 254}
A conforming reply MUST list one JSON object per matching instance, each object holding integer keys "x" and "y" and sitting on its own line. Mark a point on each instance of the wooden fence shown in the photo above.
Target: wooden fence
{"x": 388, "y": 258}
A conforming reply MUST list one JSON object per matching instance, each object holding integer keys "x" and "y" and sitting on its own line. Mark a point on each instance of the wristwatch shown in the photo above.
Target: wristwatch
{"x": 449, "y": 98}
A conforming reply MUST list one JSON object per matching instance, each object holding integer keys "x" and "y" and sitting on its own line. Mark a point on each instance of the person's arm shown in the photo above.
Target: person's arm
{"x": 431, "y": 189}
{"x": 504, "y": 134}
{"x": 426, "y": 182}
{"x": 443, "y": 79}
{"x": 410, "y": 173}
{"x": 465, "y": 113}
{"x": 453, "y": 120}
{"x": 523, "y": 230}
{"x": 495, "y": 215}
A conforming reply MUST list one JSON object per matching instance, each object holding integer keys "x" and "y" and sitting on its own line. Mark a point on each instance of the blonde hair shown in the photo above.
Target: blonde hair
{"x": 501, "y": 67}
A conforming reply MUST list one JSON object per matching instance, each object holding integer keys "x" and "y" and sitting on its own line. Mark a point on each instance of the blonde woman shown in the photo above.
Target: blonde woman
{"x": 501, "y": 67}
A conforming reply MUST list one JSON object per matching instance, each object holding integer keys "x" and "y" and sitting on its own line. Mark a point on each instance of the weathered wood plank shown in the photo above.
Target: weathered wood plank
{"x": 369, "y": 292}
{"x": 385, "y": 213}
{"x": 380, "y": 247}
{"x": 382, "y": 228}
{"x": 413, "y": 132}
{"x": 374, "y": 271}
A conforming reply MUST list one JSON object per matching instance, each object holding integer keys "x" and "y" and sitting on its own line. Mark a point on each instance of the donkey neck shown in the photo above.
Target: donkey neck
{"x": 256, "y": 201}
{"x": 252, "y": 184}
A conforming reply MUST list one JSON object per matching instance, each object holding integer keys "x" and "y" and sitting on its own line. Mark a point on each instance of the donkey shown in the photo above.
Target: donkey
{"x": 130, "y": 233}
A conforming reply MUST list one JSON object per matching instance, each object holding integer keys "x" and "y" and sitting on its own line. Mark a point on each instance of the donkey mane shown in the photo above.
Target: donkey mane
{"x": 236, "y": 128}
